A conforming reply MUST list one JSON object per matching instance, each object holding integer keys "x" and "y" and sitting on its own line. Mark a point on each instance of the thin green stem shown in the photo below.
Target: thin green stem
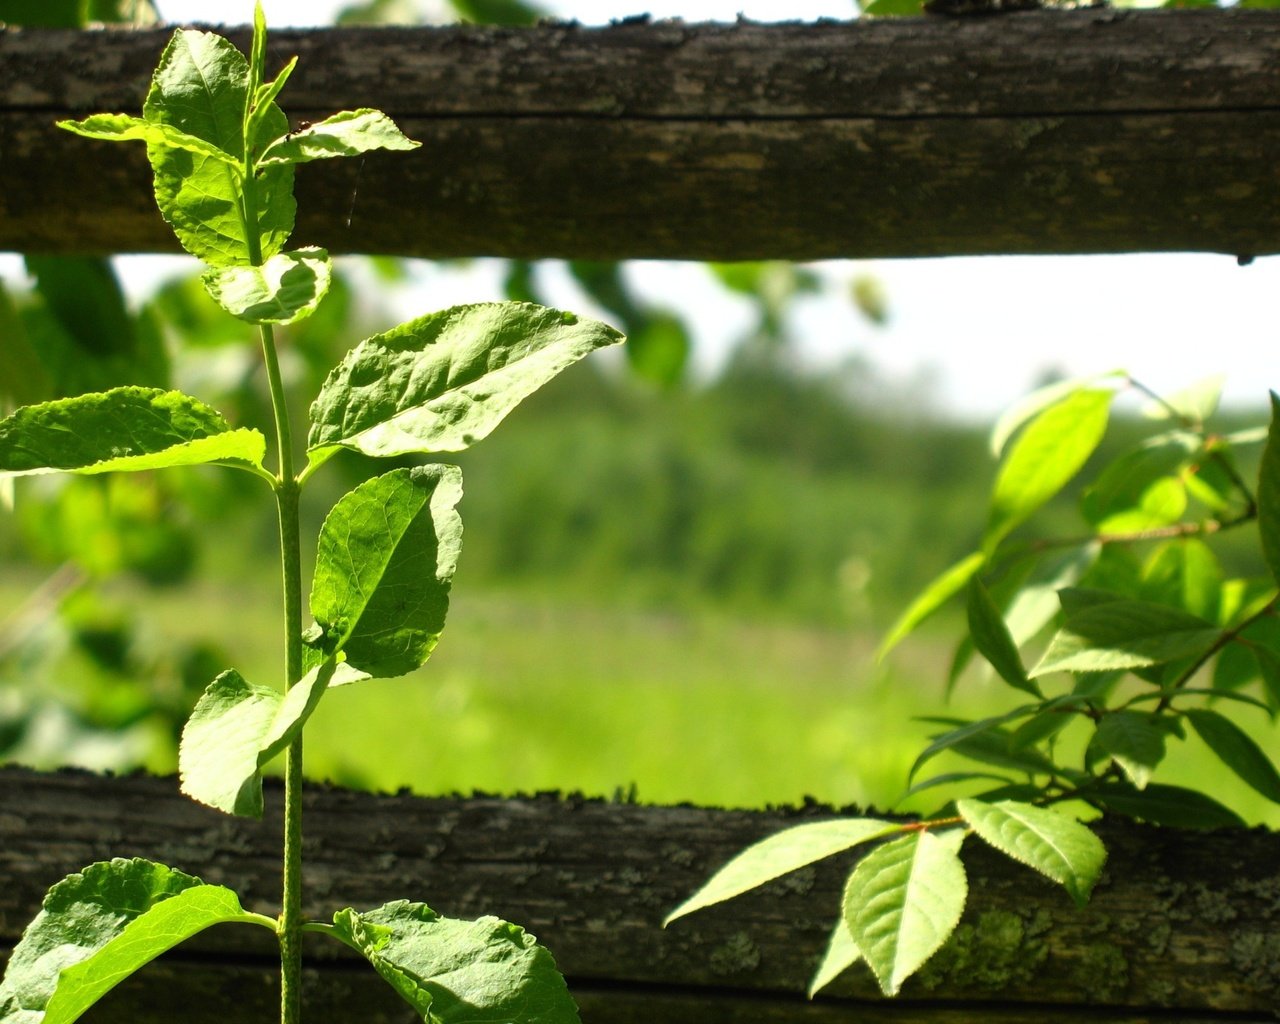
{"x": 286, "y": 490}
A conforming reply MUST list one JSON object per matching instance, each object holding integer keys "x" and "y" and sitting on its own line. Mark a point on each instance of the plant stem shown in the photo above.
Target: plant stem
{"x": 286, "y": 490}
{"x": 291, "y": 564}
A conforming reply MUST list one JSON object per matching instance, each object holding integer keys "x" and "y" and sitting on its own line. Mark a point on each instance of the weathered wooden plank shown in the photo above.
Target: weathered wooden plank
{"x": 1181, "y": 920}
{"x": 1083, "y": 131}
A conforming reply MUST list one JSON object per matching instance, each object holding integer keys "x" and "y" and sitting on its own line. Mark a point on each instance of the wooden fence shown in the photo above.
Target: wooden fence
{"x": 1184, "y": 926}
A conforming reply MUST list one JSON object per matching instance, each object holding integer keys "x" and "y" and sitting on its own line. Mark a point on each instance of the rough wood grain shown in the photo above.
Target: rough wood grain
{"x": 1082, "y": 131}
{"x": 1182, "y": 921}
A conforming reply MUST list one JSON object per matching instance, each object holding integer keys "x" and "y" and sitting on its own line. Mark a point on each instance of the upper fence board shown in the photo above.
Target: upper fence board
{"x": 1036, "y": 132}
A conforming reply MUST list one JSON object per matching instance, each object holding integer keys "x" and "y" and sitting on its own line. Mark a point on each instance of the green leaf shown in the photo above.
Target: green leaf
{"x": 1049, "y": 452}
{"x": 781, "y": 853}
{"x": 1134, "y": 741}
{"x": 903, "y": 901}
{"x": 200, "y": 88}
{"x": 933, "y": 597}
{"x": 1269, "y": 492}
{"x": 1030, "y": 406}
{"x": 1053, "y": 844}
{"x": 443, "y": 382}
{"x": 1121, "y": 634}
{"x": 1165, "y": 805}
{"x": 125, "y": 429}
{"x": 349, "y": 133}
{"x": 841, "y": 954}
{"x": 386, "y": 557}
{"x": 1269, "y": 664}
{"x": 99, "y": 926}
{"x": 459, "y": 972}
{"x": 992, "y": 639}
{"x": 1193, "y": 404}
{"x": 966, "y": 731}
{"x": 1140, "y": 490}
{"x": 286, "y": 288}
{"x": 1237, "y": 750}
{"x": 235, "y": 730}
{"x": 124, "y": 128}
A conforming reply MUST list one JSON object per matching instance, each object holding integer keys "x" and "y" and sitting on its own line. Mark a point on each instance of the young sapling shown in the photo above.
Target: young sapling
{"x": 223, "y": 158}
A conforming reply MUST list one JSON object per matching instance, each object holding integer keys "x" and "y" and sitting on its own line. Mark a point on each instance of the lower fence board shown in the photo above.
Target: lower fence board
{"x": 1183, "y": 926}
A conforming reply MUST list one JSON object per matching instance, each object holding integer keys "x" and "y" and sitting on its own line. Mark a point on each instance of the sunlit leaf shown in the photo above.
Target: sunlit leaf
{"x": 284, "y": 289}
{"x": 1053, "y": 844}
{"x": 841, "y": 954}
{"x": 235, "y": 730}
{"x": 1193, "y": 404}
{"x": 903, "y": 901}
{"x": 1237, "y": 750}
{"x": 1049, "y": 452}
{"x": 122, "y": 430}
{"x": 444, "y": 381}
{"x": 100, "y": 925}
{"x": 200, "y": 88}
{"x": 124, "y": 127}
{"x": 1030, "y": 406}
{"x": 349, "y": 133}
{"x": 384, "y": 565}
{"x": 781, "y": 853}
{"x": 933, "y": 597}
{"x": 460, "y": 972}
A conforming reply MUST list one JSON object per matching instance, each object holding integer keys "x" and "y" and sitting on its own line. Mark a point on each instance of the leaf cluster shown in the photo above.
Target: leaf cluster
{"x": 1114, "y": 643}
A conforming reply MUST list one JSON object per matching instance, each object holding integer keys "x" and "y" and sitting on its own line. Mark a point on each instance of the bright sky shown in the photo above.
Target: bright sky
{"x": 984, "y": 328}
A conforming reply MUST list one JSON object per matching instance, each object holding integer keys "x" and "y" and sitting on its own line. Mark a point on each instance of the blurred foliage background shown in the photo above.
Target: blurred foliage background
{"x": 670, "y": 589}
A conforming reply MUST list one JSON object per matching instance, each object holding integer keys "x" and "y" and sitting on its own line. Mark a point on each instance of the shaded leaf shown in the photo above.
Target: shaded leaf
{"x": 903, "y": 901}
{"x": 1237, "y": 750}
{"x": 841, "y": 954}
{"x": 933, "y": 597}
{"x": 100, "y": 925}
{"x": 348, "y": 133}
{"x": 235, "y": 729}
{"x": 1117, "y": 634}
{"x": 125, "y": 429}
{"x": 384, "y": 565}
{"x": 1135, "y": 741}
{"x": 966, "y": 731}
{"x": 443, "y": 382}
{"x": 781, "y": 853}
{"x": 992, "y": 639}
{"x": 1165, "y": 805}
{"x": 1057, "y": 846}
{"x": 284, "y": 289}
{"x": 459, "y": 972}
{"x": 1048, "y": 453}
{"x": 1269, "y": 492}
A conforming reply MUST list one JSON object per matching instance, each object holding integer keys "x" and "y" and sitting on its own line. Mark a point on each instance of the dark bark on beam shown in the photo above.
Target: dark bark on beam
{"x": 1083, "y": 131}
{"x": 1181, "y": 920}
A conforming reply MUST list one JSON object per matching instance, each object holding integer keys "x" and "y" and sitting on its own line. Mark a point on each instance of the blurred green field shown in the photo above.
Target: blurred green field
{"x": 529, "y": 693}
